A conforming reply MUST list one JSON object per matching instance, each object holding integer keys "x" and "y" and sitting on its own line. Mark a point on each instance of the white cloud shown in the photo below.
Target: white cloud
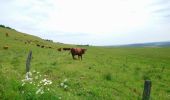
{"x": 108, "y": 20}
{"x": 96, "y": 16}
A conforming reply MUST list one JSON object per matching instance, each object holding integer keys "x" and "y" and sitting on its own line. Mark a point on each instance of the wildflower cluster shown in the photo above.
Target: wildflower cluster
{"x": 27, "y": 79}
{"x": 46, "y": 82}
{"x": 64, "y": 84}
{"x": 35, "y": 78}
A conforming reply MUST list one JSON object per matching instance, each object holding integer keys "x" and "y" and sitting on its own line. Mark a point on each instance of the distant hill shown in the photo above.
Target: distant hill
{"x": 150, "y": 44}
{"x": 20, "y": 40}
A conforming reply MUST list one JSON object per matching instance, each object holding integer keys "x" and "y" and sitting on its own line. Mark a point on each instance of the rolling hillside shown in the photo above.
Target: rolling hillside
{"x": 115, "y": 73}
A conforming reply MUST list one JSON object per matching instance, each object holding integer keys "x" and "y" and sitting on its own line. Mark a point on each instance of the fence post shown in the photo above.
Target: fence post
{"x": 147, "y": 90}
{"x": 28, "y": 62}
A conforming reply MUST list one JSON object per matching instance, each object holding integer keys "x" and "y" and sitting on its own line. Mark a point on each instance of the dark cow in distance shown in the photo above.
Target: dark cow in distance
{"x": 65, "y": 49}
{"x": 38, "y": 45}
{"x": 6, "y": 34}
{"x": 77, "y": 51}
{"x": 50, "y": 47}
{"x": 59, "y": 49}
{"x": 42, "y": 46}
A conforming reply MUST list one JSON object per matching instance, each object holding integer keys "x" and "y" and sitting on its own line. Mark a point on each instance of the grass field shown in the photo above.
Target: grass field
{"x": 103, "y": 74}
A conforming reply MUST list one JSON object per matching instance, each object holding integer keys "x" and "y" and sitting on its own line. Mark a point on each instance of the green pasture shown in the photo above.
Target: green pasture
{"x": 105, "y": 73}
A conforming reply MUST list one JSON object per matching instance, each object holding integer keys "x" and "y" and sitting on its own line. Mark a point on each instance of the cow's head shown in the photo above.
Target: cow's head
{"x": 84, "y": 50}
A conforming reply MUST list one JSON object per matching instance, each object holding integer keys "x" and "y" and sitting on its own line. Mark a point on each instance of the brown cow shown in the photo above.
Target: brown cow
{"x": 77, "y": 51}
{"x": 5, "y": 47}
{"x": 6, "y": 34}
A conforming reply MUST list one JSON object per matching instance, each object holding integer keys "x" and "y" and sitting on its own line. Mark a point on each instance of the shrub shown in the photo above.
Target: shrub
{"x": 108, "y": 76}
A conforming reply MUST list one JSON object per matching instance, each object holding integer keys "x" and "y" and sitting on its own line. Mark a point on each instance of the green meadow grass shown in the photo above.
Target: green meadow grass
{"x": 103, "y": 74}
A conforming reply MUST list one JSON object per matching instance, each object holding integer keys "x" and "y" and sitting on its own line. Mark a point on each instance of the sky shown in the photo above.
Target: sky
{"x": 93, "y": 22}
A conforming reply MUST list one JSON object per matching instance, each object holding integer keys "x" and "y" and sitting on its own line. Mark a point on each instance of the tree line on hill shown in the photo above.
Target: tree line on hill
{"x": 3, "y": 26}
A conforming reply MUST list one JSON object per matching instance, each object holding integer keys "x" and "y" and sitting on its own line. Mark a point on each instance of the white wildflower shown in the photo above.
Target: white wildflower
{"x": 38, "y": 72}
{"x": 65, "y": 80}
{"x": 28, "y": 79}
{"x": 23, "y": 80}
{"x": 59, "y": 97}
{"x": 44, "y": 80}
{"x": 23, "y": 84}
{"x": 61, "y": 84}
{"x": 39, "y": 90}
{"x": 65, "y": 86}
{"x": 22, "y": 92}
{"x": 42, "y": 92}
{"x": 36, "y": 77}
{"x": 49, "y": 82}
{"x": 28, "y": 75}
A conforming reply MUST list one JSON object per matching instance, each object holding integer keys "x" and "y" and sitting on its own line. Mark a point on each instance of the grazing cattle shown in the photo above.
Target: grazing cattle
{"x": 59, "y": 49}
{"x": 6, "y": 34}
{"x": 42, "y": 46}
{"x": 38, "y": 45}
{"x": 77, "y": 51}
{"x": 5, "y": 47}
{"x": 65, "y": 49}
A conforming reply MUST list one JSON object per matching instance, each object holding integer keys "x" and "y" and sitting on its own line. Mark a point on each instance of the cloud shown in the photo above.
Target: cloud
{"x": 88, "y": 21}
{"x": 95, "y": 17}
{"x": 160, "y": 2}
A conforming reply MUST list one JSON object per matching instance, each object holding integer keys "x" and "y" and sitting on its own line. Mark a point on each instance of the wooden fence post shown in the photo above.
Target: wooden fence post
{"x": 28, "y": 62}
{"x": 147, "y": 90}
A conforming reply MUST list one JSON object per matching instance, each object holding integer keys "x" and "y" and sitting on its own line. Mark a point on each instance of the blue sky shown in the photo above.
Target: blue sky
{"x": 94, "y": 22}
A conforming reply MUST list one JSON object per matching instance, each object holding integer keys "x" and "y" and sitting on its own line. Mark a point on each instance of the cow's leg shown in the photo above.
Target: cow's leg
{"x": 80, "y": 57}
{"x": 73, "y": 56}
